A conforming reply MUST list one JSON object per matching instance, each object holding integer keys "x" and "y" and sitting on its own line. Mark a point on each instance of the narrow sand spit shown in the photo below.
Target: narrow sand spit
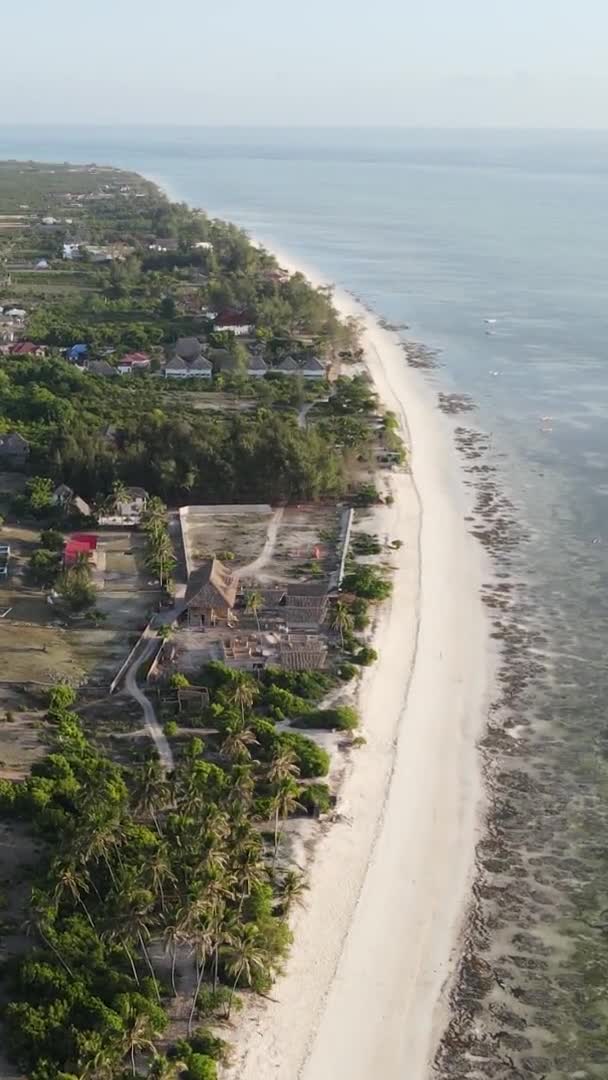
{"x": 365, "y": 991}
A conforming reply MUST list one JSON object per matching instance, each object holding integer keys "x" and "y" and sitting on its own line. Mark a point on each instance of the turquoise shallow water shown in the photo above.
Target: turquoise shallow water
{"x": 444, "y": 231}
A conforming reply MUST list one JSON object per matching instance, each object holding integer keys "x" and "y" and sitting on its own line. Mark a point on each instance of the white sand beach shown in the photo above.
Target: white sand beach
{"x": 364, "y": 994}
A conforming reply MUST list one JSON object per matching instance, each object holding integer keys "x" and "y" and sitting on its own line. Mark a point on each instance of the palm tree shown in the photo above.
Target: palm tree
{"x": 140, "y": 922}
{"x": 119, "y": 495}
{"x": 139, "y": 1033}
{"x": 116, "y": 932}
{"x": 159, "y": 869}
{"x": 102, "y": 1066}
{"x": 341, "y": 620}
{"x": 253, "y": 603}
{"x": 69, "y": 881}
{"x": 151, "y": 791}
{"x": 160, "y": 558}
{"x": 81, "y": 565}
{"x": 202, "y": 939}
{"x": 242, "y": 785}
{"x": 133, "y": 924}
{"x": 293, "y": 887}
{"x": 99, "y": 837}
{"x": 155, "y": 514}
{"x": 173, "y": 935}
{"x": 236, "y": 743}
{"x": 283, "y": 765}
{"x": 249, "y": 868}
{"x": 40, "y": 921}
{"x": 162, "y": 1068}
{"x": 284, "y": 803}
{"x": 244, "y": 956}
{"x": 243, "y": 695}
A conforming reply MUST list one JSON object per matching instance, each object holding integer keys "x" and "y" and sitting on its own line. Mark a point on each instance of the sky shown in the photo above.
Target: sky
{"x": 429, "y": 63}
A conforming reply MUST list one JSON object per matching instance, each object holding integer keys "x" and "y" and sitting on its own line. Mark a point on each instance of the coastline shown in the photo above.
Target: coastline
{"x": 366, "y": 986}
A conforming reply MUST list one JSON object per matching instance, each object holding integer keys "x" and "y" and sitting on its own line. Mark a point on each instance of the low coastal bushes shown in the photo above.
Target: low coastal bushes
{"x": 364, "y": 543}
{"x": 346, "y": 671}
{"x": 367, "y": 582}
{"x": 316, "y": 799}
{"x": 365, "y": 656}
{"x": 339, "y": 718}
{"x": 310, "y": 760}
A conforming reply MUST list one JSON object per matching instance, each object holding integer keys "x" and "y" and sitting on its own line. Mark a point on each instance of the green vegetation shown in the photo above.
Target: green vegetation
{"x": 365, "y": 544}
{"x": 180, "y": 455}
{"x": 135, "y": 862}
{"x": 365, "y": 656}
{"x": 142, "y": 298}
{"x": 367, "y": 583}
{"x": 340, "y": 718}
{"x": 160, "y": 559}
{"x": 132, "y": 859}
{"x": 75, "y": 587}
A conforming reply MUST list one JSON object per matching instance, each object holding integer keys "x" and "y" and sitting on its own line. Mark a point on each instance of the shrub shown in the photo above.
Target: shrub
{"x": 340, "y": 718}
{"x": 367, "y": 582}
{"x": 346, "y": 671}
{"x": 366, "y": 544}
{"x": 366, "y": 495}
{"x": 8, "y": 795}
{"x": 358, "y": 610}
{"x": 312, "y": 760}
{"x": 171, "y": 728}
{"x": 61, "y": 699}
{"x": 213, "y": 1002}
{"x": 312, "y": 685}
{"x": 315, "y": 799}
{"x": 201, "y": 1067}
{"x": 178, "y": 681}
{"x": 51, "y": 540}
{"x": 205, "y": 1042}
{"x": 283, "y": 703}
{"x": 365, "y": 656}
{"x": 44, "y": 567}
{"x": 215, "y": 675}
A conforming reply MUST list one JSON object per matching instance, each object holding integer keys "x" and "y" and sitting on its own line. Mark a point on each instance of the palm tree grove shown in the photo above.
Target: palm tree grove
{"x": 159, "y": 897}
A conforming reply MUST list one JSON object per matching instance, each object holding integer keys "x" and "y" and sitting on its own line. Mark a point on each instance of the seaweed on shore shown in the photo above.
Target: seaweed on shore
{"x": 420, "y": 356}
{"x": 528, "y": 998}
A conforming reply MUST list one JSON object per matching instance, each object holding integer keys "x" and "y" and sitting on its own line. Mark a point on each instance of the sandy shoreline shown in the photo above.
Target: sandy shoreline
{"x": 365, "y": 990}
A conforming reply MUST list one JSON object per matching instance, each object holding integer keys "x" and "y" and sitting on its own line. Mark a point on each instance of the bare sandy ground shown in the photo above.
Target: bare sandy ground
{"x": 365, "y": 991}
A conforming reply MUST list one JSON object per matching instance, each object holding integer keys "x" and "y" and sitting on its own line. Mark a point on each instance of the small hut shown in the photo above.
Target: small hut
{"x": 210, "y": 595}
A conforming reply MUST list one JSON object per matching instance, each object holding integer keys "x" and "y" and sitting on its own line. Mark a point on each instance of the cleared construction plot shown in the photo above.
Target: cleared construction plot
{"x": 262, "y": 544}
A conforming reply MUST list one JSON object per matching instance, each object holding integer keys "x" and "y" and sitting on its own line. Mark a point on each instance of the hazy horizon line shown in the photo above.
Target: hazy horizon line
{"x": 534, "y": 128}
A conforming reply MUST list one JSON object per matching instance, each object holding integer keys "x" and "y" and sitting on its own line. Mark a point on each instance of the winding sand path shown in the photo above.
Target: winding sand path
{"x": 150, "y": 644}
{"x": 254, "y": 567}
{"x": 364, "y": 993}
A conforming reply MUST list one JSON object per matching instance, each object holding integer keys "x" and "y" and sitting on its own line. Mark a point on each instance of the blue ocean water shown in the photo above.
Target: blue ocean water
{"x": 445, "y": 231}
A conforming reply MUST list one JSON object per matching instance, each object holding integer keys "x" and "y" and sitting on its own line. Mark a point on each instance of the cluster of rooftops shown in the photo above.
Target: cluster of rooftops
{"x": 189, "y": 360}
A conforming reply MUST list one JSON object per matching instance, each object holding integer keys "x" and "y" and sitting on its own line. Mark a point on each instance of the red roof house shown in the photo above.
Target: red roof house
{"x": 79, "y": 544}
{"x": 239, "y": 322}
{"x": 136, "y": 361}
{"x": 26, "y": 348}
